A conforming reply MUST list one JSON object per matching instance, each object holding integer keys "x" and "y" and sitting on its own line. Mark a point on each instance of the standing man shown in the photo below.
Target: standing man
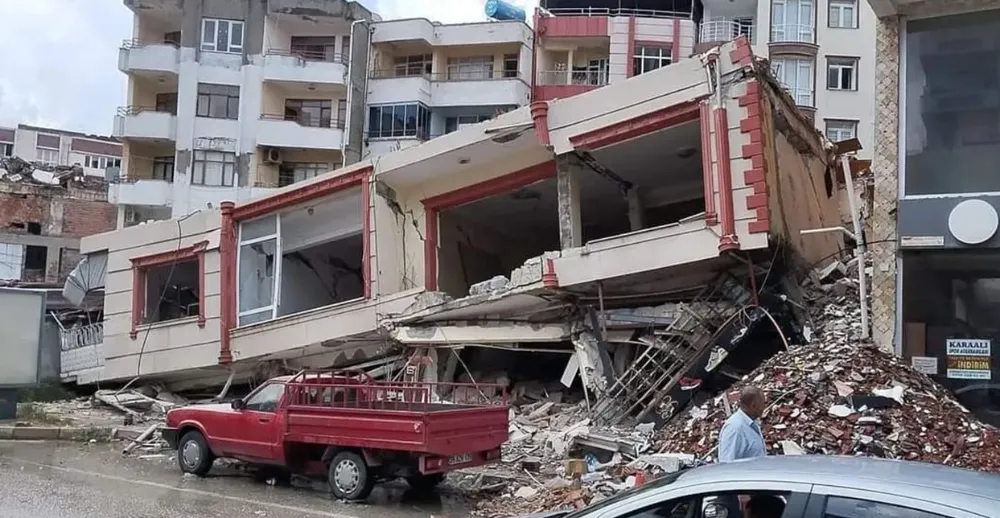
{"x": 741, "y": 437}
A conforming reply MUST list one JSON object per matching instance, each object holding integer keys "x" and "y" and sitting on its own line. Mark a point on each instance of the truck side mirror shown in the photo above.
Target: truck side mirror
{"x": 238, "y": 404}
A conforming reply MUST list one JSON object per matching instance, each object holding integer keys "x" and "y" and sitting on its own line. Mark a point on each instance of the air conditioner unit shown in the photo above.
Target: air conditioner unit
{"x": 272, "y": 156}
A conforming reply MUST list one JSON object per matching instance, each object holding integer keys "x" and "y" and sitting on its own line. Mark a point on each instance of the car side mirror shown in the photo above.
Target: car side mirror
{"x": 715, "y": 510}
{"x": 238, "y": 404}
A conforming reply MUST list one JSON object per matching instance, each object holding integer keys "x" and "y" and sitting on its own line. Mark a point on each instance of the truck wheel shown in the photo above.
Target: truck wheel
{"x": 349, "y": 476}
{"x": 425, "y": 483}
{"x": 194, "y": 455}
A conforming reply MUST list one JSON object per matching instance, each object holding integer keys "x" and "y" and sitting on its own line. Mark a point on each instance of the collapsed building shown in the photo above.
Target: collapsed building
{"x": 616, "y": 243}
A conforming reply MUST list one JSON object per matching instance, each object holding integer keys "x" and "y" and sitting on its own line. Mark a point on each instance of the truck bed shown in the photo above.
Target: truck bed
{"x": 409, "y": 421}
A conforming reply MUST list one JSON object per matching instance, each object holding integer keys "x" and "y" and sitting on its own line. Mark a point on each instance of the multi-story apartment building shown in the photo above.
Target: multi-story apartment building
{"x": 57, "y": 147}
{"x": 229, "y": 99}
{"x": 937, "y": 196}
{"x": 428, "y": 79}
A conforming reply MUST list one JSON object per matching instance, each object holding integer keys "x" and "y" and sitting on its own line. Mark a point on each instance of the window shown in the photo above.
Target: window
{"x": 345, "y": 48}
{"x": 163, "y": 168}
{"x": 47, "y": 156}
{"x": 840, "y": 130}
{"x": 222, "y": 36}
{"x": 294, "y": 172}
{"x": 316, "y": 113}
{"x": 101, "y": 162}
{"x": 407, "y": 66}
{"x": 399, "y": 120}
{"x": 315, "y": 48}
{"x": 510, "y": 64}
{"x": 470, "y": 68}
{"x": 838, "y": 507}
{"x": 792, "y": 20}
{"x": 218, "y": 101}
{"x": 841, "y": 73}
{"x": 6, "y": 149}
{"x": 796, "y": 76}
{"x": 171, "y": 291}
{"x": 843, "y": 14}
{"x": 649, "y": 58}
{"x": 267, "y": 398}
{"x": 167, "y": 103}
{"x": 952, "y": 118}
{"x": 214, "y": 168}
{"x": 456, "y": 123}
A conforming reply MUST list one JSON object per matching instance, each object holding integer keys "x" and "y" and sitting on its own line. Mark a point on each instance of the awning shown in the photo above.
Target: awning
{"x": 88, "y": 275}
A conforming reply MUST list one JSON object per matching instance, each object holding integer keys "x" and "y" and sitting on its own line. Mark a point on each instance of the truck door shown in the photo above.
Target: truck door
{"x": 260, "y": 429}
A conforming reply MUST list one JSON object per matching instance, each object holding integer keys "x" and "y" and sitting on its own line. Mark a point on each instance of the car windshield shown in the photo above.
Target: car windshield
{"x": 653, "y": 485}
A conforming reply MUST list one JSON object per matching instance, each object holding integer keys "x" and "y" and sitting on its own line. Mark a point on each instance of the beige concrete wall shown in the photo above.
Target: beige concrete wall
{"x": 137, "y": 157}
{"x": 169, "y": 346}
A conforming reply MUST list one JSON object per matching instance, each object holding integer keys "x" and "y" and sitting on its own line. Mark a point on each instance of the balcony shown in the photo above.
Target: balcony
{"x": 793, "y": 40}
{"x": 717, "y": 31}
{"x": 81, "y": 350}
{"x": 559, "y": 84}
{"x": 497, "y": 87}
{"x": 148, "y": 58}
{"x": 304, "y": 66}
{"x": 147, "y": 192}
{"x": 145, "y": 123}
{"x": 300, "y": 132}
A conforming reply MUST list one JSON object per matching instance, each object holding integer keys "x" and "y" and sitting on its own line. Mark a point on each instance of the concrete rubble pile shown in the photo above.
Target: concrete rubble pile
{"x": 842, "y": 396}
{"x": 18, "y": 170}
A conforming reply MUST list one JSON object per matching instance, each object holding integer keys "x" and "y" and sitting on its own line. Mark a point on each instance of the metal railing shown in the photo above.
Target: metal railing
{"x": 484, "y": 75}
{"x": 793, "y": 33}
{"x": 566, "y": 77}
{"x": 306, "y": 55}
{"x": 83, "y": 336}
{"x": 137, "y": 43}
{"x": 605, "y": 11}
{"x": 304, "y": 120}
{"x": 339, "y": 391}
{"x": 723, "y": 29}
{"x": 132, "y": 111}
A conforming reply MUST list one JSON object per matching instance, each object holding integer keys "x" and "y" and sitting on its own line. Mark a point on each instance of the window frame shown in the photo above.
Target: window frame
{"x": 663, "y": 58}
{"x": 167, "y": 164}
{"x": 101, "y": 161}
{"x": 779, "y": 72}
{"x": 817, "y": 502}
{"x": 6, "y": 148}
{"x": 307, "y": 107}
{"x": 840, "y": 64}
{"x": 258, "y": 392}
{"x": 202, "y": 157}
{"x": 827, "y": 127}
{"x": 207, "y": 95}
{"x": 143, "y": 264}
{"x": 308, "y": 169}
{"x": 421, "y": 129}
{"x": 39, "y": 150}
{"x": 211, "y": 45}
{"x": 800, "y": 35}
{"x": 471, "y": 68}
{"x": 797, "y": 503}
{"x": 840, "y": 6}
{"x": 414, "y": 65}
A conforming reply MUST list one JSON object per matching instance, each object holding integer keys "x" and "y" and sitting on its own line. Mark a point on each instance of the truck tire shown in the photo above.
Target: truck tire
{"x": 349, "y": 476}
{"x": 425, "y": 483}
{"x": 194, "y": 455}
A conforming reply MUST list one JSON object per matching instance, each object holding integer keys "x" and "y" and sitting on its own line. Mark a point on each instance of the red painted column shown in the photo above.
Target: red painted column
{"x": 675, "y": 47}
{"x": 540, "y": 117}
{"x": 630, "y": 52}
{"x": 430, "y": 248}
{"x": 227, "y": 295}
{"x": 708, "y": 175}
{"x": 366, "y": 247}
{"x": 728, "y": 241}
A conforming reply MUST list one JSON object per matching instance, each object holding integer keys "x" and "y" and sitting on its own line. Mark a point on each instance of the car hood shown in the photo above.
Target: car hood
{"x": 193, "y": 411}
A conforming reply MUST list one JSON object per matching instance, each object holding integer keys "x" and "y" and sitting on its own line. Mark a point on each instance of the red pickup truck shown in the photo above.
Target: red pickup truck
{"x": 348, "y": 427}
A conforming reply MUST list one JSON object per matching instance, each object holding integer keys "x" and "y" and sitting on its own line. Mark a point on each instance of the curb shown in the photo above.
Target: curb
{"x": 54, "y": 433}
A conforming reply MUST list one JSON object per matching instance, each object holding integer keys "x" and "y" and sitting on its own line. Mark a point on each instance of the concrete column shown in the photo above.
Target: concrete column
{"x": 52, "y": 259}
{"x": 636, "y": 218}
{"x": 569, "y": 67}
{"x": 568, "y": 185}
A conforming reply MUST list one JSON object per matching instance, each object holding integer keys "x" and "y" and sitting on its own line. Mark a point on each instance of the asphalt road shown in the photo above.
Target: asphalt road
{"x": 84, "y": 481}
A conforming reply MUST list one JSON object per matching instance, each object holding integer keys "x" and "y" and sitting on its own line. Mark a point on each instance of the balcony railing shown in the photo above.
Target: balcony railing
{"x": 84, "y": 336}
{"x": 305, "y": 120}
{"x": 137, "y": 43}
{"x": 305, "y": 55}
{"x": 132, "y": 111}
{"x": 605, "y": 11}
{"x": 793, "y": 33}
{"x": 565, "y": 77}
{"x": 722, "y": 29}
{"x": 481, "y": 75}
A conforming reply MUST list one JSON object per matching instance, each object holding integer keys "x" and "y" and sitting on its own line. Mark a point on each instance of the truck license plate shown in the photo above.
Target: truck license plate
{"x": 459, "y": 459}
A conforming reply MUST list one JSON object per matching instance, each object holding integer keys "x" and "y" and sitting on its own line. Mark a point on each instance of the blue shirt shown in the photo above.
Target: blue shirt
{"x": 740, "y": 439}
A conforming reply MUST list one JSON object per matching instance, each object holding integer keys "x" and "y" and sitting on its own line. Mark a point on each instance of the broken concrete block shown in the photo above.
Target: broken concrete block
{"x": 526, "y": 492}
{"x": 494, "y": 285}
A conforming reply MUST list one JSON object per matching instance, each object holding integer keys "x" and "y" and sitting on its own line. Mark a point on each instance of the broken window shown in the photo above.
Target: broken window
{"x": 841, "y": 130}
{"x": 320, "y": 264}
{"x": 218, "y": 101}
{"x": 171, "y": 291}
{"x": 214, "y": 168}
{"x": 222, "y": 35}
{"x": 34, "y": 262}
{"x": 6, "y": 149}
